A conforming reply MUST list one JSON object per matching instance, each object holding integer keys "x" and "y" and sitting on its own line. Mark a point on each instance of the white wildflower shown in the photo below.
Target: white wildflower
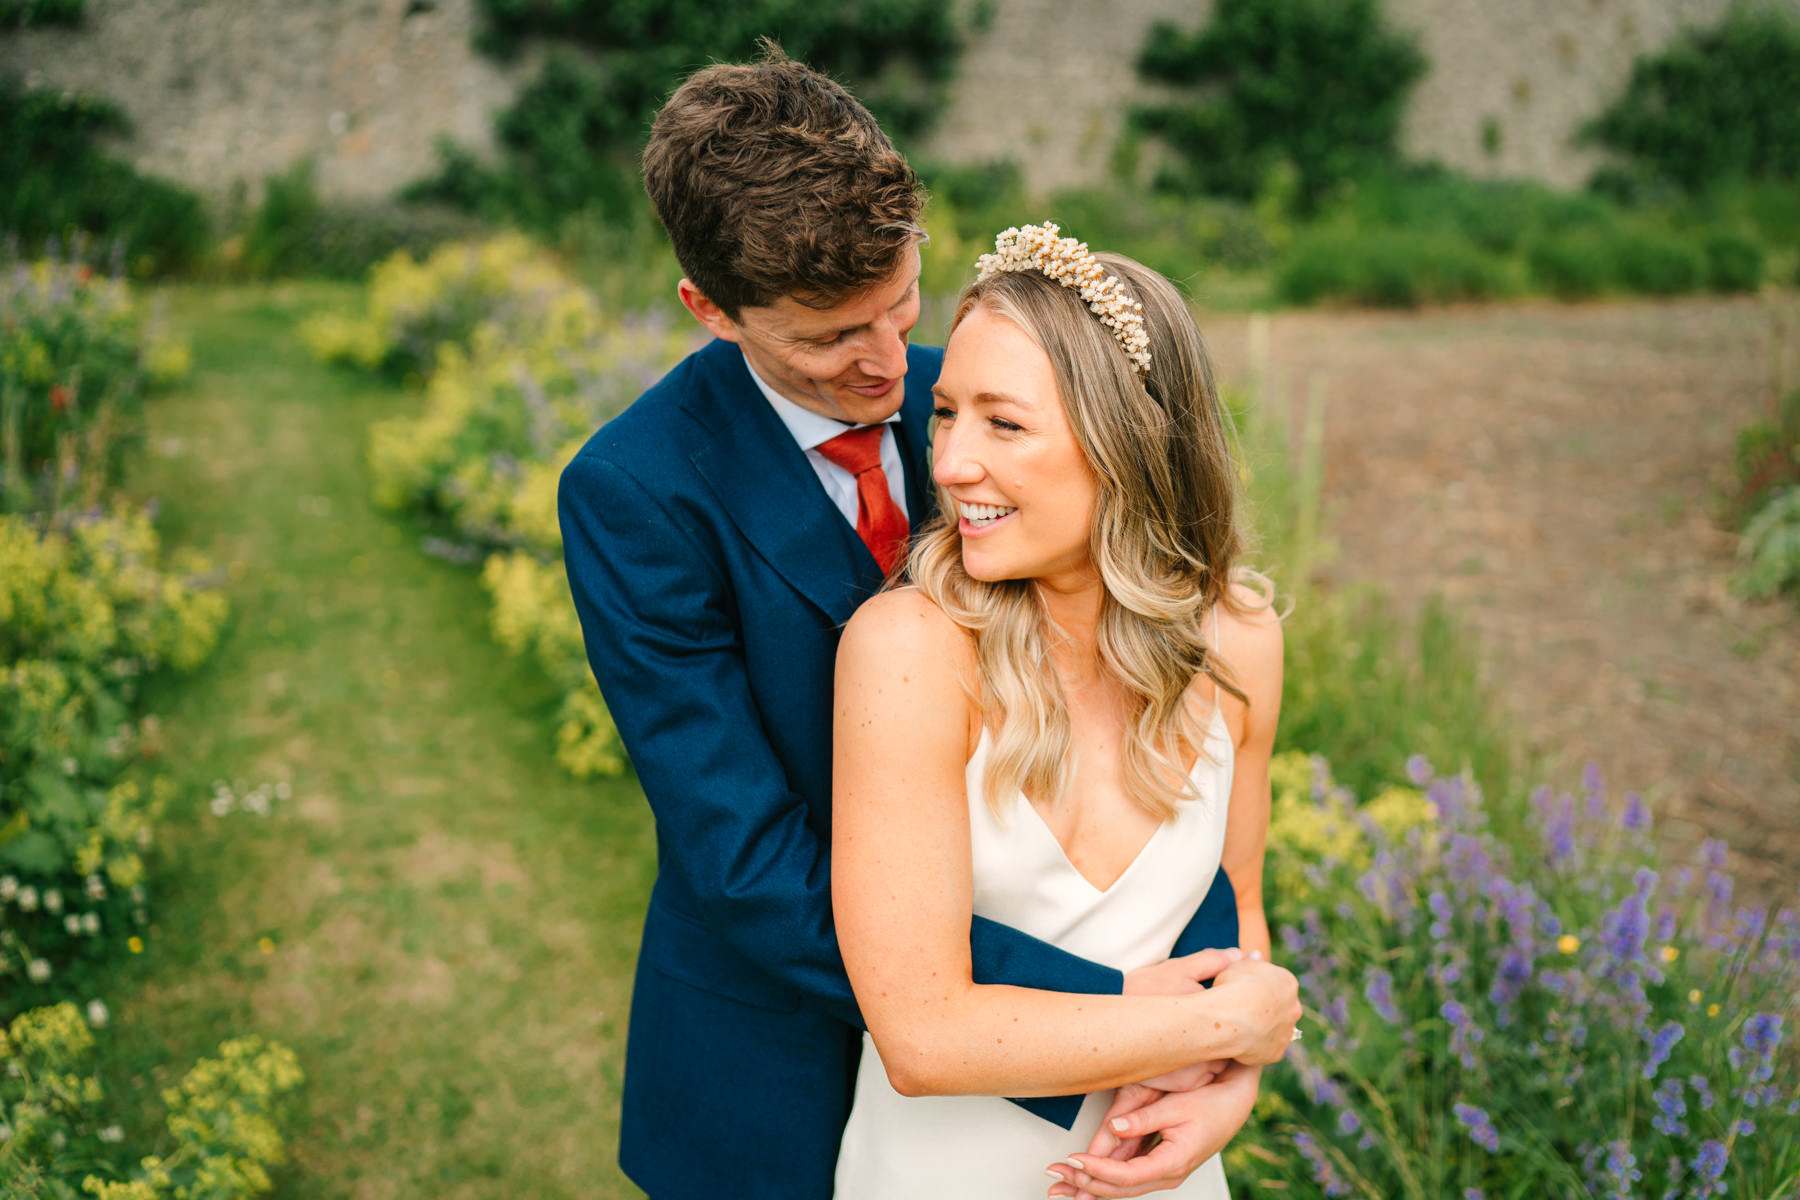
{"x": 9, "y": 887}
{"x": 97, "y": 1014}
{"x": 112, "y": 1133}
{"x": 90, "y": 923}
{"x": 53, "y": 902}
{"x": 72, "y": 923}
{"x": 96, "y": 888}
{"x": 28, "y": 899}
{"x": 39, "y": 970}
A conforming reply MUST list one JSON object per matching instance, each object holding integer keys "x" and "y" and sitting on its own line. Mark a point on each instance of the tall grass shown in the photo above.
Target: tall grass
{"x": 1367, "y": 684}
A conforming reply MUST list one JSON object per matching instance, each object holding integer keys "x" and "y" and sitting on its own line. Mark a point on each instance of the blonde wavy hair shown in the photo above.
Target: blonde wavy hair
{"x": 1165, "y": 541}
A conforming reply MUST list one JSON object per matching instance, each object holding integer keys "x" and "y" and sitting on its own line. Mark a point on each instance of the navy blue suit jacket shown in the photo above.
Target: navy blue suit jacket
{"x": 713, "y": 575}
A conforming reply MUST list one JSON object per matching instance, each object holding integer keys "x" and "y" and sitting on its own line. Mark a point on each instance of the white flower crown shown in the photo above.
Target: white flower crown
{"x": 1068, "y": 262}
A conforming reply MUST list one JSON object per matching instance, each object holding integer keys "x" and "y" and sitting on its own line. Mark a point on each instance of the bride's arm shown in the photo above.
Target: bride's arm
{"x": 902, "y": 894}
{"x": 1254, "y": 651}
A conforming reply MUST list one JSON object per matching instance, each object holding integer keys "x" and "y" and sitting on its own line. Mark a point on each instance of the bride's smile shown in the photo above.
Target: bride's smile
{"x": 1004, "y": 451}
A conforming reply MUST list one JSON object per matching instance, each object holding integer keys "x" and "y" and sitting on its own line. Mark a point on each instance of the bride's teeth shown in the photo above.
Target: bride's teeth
{"x": 983, "y": 513}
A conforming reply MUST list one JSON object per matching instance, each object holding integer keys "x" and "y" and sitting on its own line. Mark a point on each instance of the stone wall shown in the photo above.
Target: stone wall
{"x": 229, "y": 90}
{"x": 1045, "y": 84}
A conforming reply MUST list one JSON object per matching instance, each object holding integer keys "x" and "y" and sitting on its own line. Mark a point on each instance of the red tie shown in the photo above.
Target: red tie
{"x": 879, "y": 522}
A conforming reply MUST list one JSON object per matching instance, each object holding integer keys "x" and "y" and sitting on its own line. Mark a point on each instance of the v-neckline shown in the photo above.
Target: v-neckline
{"x": 1063, "y": 853}
{"x": 982, "y": 745}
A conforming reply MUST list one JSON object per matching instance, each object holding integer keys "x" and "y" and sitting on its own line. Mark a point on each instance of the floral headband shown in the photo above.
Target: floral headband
{"x": 1068, "y": 262}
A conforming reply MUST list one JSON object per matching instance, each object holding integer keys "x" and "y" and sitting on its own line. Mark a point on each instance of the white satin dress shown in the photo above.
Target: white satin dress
{"x": 983, "y": 1148}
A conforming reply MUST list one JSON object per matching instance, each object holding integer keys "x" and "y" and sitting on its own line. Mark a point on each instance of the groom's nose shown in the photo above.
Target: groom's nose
{"x": 885, "y": 355}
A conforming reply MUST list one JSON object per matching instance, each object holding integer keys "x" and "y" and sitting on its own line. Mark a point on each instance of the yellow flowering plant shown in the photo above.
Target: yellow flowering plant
{"x": 88, "y": 607}
{"x": 525, "y": 365}
{"x": 222, "y": 1134}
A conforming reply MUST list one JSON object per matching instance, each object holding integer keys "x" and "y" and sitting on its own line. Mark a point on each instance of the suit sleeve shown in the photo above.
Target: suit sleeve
{"x": 662, "y": 637}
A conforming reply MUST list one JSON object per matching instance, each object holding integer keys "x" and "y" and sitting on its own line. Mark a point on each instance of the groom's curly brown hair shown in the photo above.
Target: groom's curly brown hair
{"x": 772, "y": 180}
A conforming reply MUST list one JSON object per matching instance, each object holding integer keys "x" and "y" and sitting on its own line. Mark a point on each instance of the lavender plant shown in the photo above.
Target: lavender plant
{"x": 1531, "y": 1007}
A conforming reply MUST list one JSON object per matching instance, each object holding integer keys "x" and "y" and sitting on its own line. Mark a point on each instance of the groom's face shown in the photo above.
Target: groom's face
{"x": 845, "y": 362}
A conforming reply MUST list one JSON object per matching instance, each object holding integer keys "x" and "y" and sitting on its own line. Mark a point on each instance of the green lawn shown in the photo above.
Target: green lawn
{"x": 450, "y": 921}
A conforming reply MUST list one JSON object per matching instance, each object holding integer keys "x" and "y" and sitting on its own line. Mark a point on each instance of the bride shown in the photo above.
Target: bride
{"x": 1064, "y": 725}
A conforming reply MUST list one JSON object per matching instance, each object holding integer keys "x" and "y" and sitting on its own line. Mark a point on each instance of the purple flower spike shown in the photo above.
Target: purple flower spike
{"x": 1324, "y": 1170}
{"x": 1762, "y": 1033}
{"x": 1636, "y": 817}
{"x": 1671, "y": 1109}
{"x": 1709, "y": 1164}
{"x": 1662, "y": 1042}
{"x": 1621, "y": 1170}
{"x": 1480, "y": 1126}
{"x": 1378, "y": 989}
{"x": 1418, "y": 769}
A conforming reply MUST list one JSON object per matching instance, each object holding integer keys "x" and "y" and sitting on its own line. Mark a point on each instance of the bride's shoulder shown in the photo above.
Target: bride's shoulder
{"x": 904, "y": 624}
{"x": 904, "y": 660}
{"x": 1249, "y": 629}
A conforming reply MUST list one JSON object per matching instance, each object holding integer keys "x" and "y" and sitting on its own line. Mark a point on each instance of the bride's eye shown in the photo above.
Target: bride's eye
{"x": 1001, "y": 423}
{"x": 941, "y": 413}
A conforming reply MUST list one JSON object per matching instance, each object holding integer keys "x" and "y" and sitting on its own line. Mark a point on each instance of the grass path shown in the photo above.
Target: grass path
{"x": 438, "y": 921}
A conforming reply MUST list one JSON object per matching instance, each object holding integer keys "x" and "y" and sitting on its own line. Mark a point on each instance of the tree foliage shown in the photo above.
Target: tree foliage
{"x": 571, "y": 140}
{"x": 55, "y": 179}
{"x": 1318, "y": 84}
{"x": 1715, "y": 104}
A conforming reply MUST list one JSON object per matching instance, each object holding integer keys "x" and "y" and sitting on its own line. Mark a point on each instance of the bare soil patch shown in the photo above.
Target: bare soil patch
{"x": 1553, "y": 470}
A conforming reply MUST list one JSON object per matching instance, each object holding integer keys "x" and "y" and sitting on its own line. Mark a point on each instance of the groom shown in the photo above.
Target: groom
{"x": 718, "y": 535}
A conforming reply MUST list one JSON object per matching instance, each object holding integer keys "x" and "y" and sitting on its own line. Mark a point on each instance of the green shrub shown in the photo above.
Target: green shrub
{"x": 1388, "y": 268}
{"x": 1498, "y": 215}
{"x": 1713, "y": 104}
{"x": 571, "y": 140}
{"x": 294, "y": 232}
{"x": 55, "y": 180}
{"x": 1519, "y": 1003}
{"x": 222, "y": 1133}
{"x": 1573, "y": 265}
{"x": 1320, "y": 85}
{"x": 18, "y": 14}
{"x": 1631, "y": 258}
{"x": 1660, "y": 264}
{"x": 1734, "y": 261}
{"x": 1770, "y": 548}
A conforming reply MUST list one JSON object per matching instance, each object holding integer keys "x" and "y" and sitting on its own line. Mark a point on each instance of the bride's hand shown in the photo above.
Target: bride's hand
{"x": 1265, "y": 1000}
{"x": 1194, "y": 1125}
{"x": 1179, "y": 976}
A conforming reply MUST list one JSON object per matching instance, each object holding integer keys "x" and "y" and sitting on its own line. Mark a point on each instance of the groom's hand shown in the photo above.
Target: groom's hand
{"x": 1179, "y": 976}
{"x": 1194, "y": 1125}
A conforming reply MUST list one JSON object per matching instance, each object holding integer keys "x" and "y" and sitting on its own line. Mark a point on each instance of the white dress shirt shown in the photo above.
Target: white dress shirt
{"x": 812, "y": 430}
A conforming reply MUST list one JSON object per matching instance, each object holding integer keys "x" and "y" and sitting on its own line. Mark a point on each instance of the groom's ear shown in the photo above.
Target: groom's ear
{"x": 706, "y": 312}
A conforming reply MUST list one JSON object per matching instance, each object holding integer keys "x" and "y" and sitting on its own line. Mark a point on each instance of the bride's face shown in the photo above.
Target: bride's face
{"x": 1005, "y": 452}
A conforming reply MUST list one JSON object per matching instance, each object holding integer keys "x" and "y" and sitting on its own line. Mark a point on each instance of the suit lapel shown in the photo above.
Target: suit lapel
{"x": 769, "y": 490}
